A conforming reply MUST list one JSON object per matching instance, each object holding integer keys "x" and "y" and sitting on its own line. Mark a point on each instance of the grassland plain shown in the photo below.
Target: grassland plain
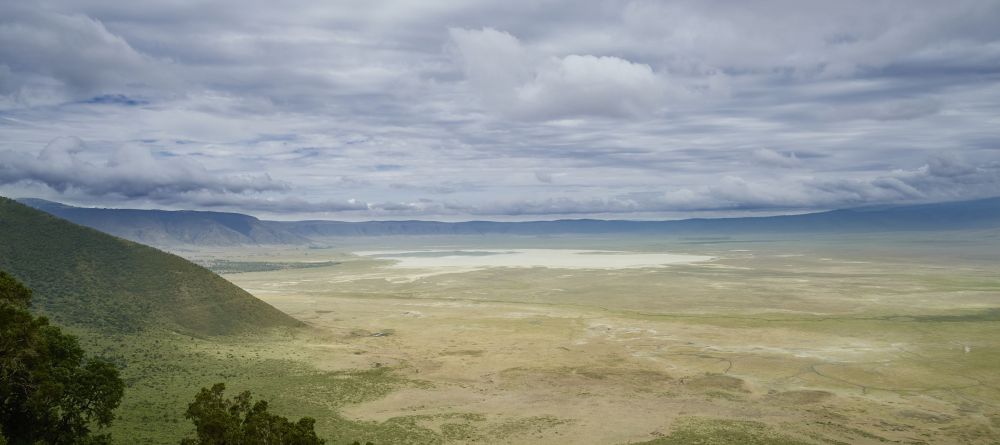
{"x": 825, "y": 341}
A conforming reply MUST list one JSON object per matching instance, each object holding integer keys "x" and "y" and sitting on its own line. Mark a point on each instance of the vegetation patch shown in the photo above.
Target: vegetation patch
{"x": 801, "y": 396}
{"x": 451, "y": 426}
{"x": 724, "y": 395}
{"x": 163, "y": 370}
{"x": 716, "y": 382}
{"x": 991, "y": 314}
{"x": 523, "y": 426}
{"x": 231, "y": 267}
{"x": 702, "y": 431}
{"x": 464, "y": 352}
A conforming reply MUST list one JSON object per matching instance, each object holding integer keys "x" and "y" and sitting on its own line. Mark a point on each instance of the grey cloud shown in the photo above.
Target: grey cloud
{"x": 881, "y": 110}
{"x": 273, "y": 205}
{"x": 48, "y": 55}
{"x": 950, "y": 165}
{"x": 943, "y": 177}
{"x": 130, "y": 172}
{"x": 768, "y": 157}
{"x": 839, "y": 39}
{"x": 285, "y": 206}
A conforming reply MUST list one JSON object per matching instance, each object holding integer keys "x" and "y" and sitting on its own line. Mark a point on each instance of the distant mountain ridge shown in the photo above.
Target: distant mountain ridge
{"x": 87, "y": 278}
{"x": 160, "y": 227}
{"x": 167, "y": 227}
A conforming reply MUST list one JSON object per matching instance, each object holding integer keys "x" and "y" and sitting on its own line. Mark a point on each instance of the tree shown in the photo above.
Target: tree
{"x": 239, "y": 421}
{"x": 49, "y": 391}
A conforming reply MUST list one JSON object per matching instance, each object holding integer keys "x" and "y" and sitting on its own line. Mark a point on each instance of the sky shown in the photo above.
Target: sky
{"x": 502, "y": 110}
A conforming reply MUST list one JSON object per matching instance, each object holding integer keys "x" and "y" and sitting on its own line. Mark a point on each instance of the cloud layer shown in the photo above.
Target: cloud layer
{"x": 625, "y": 108}
{"x": 129, "y": 172}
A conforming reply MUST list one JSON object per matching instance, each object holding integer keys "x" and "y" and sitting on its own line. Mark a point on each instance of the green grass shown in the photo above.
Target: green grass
{"x": 163, "y": 371}
{"x": 702, "y": 431}
{"x": 83, "y": 277}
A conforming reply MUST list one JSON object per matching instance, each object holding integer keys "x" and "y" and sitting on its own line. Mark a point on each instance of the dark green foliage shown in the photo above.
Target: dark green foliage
{"x": 87, "y": 278}
{"x": 240, "y": 421}
{"x": 12, "y": 292}
{"x": 49, "y": 392}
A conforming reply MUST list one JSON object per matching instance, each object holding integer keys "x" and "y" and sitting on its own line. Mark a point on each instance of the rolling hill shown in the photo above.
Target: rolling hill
{"x": 174, "y": 228}
{"x": 83, "y": 277}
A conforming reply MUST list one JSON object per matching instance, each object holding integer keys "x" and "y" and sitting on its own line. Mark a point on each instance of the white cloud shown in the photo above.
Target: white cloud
{"x": 588, "y": 85}
{"x": 523, "y": 83}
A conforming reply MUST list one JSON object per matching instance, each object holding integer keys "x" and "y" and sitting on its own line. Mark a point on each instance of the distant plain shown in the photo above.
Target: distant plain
{"x": 861, "y": 339}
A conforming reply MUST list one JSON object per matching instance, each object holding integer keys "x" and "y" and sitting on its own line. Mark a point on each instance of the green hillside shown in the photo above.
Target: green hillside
{"x": 87, "y": 278}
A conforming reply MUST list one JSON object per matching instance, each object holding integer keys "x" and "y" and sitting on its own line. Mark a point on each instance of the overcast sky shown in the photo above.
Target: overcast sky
{"x": 499, "y": 109}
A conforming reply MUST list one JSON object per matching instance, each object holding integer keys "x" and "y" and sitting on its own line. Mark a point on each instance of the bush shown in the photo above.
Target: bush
{"x": 220, "y": 421}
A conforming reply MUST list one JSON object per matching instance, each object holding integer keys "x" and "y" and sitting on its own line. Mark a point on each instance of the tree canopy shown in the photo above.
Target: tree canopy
{"x": 49, "y": 391}
{"x": 240, "y": 421}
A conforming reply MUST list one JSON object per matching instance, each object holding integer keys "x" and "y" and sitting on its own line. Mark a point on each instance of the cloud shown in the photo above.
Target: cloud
{"x": 881, "y": 110}
{"x": 523, "y": 83}
{"x": 589, "y": 85}
{"x": 50, "y": 55}
{"x": 494, "y": 62}
{"x": 130, "y": 172}
{"x": 768, "y": 157}
{"x": 116, "y": 99}
{"x": 283, "y": 205}
{"x": 944, "y": 177}
{"x": 286, "y": 205}
{"x": 815, "y": 41}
